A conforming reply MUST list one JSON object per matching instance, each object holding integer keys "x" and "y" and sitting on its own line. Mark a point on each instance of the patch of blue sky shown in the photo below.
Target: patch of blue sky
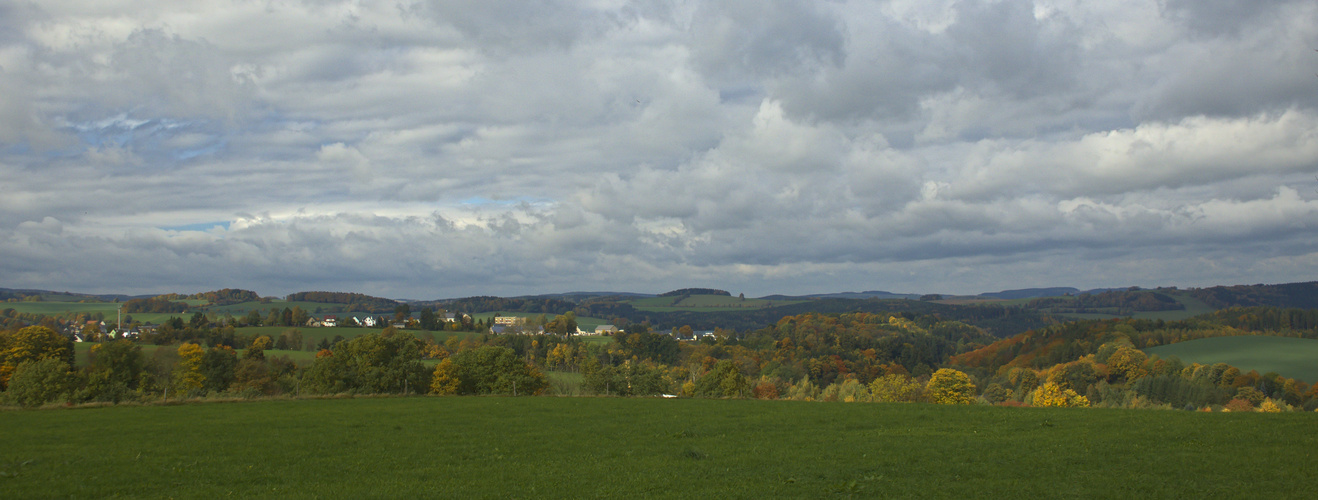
{"x": 158, "y": 137}
{"x": 200, "y": 226}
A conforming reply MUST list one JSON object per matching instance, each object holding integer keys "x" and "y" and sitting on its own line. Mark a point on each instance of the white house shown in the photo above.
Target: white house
{"x": 606, "y": 330}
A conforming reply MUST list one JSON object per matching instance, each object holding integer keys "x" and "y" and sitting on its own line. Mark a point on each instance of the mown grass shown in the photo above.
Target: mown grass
{"x": 463, "y": 447}
{"x": 1287, "y": 356}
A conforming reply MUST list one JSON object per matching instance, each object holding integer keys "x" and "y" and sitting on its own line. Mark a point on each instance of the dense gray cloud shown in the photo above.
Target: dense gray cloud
{"x": 436, "y": 149}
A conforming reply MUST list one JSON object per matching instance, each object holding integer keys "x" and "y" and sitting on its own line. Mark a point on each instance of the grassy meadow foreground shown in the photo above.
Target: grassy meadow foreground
{"x": 453, "y": 447}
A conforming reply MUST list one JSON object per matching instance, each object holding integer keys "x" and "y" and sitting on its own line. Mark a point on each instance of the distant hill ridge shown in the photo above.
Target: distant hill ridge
{"x": 696, "y": 291}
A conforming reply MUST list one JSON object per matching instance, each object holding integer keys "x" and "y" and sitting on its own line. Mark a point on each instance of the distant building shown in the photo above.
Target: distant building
{"x": 606, "y": 330}
{"x": 330, "y": 321}
{"x": 509, "y": 320}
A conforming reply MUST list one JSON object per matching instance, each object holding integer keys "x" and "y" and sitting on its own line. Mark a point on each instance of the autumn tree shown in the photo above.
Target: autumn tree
{"x": 487, "y": 370}
{"x": 427, "y": 319}
{"x": 218, "y": 366}
{"x": 444, "y": 380}
{"x": 561, "y": 356}
{"x": 1269, "y": 406}
{"x": 33, "y": 343}
{"x": 895, "y": 388}
{"x": 563, "y": 324}
{"x": 629, "y": 379}
{"x": 1054, "y": 394}
{"x": 258, "y": 348}
{"x": 849, "y": 390}
{"x": 765, "y": 389}
{"x": 115, "y": 372}
{"x": 371, "y": 363}
{"x": 35, "y": 383}
{"x": 948, "y": 386}
{"x": 300, "y": 317}
{"x": 188, "y": 377}
{"x": 724, "y": 380}
{"x": 91, "y": 332}
{"x": 1128, "y": 363}
{"x": 996, "y": 393}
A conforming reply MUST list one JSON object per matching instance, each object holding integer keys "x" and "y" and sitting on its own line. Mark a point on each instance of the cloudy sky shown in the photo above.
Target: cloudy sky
{"x": 446, "y": 148}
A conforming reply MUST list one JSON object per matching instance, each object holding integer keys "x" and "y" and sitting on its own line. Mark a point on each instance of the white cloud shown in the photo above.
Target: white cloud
{"x": 430, "y": 149}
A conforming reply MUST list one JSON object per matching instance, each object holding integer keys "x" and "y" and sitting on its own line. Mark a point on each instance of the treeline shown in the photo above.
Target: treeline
{"x": 1289, "y": 295}
{"x": 828, "y": 357}
{"x": 1253, "y": 319}
{"x": 1066, "y": 342}
{"x": 227, "y": 296}
{"x": 1120, "y": 302}
{"x": 160, "y": 304}
{"x": 1118, "y": 375}
{"x": 997, "y": 320}
{"x": 538, "y": 305}
{"x": 354, "y": 301}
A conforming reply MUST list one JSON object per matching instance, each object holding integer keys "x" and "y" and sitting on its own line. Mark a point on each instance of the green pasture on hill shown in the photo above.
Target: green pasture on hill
{"x": 108, "y": 309}
{"x": 544, "y": 447}
{"x": 1287, "y": 356}
{"x": 705, "y": 303}
{"x": 1193, "y": 307}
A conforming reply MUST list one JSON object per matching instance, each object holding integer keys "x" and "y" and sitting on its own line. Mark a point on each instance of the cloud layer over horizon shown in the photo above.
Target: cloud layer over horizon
{"x": 430, "y": 149}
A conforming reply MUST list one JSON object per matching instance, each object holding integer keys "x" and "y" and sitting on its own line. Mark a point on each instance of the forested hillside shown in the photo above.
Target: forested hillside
{"x": 354, "y": 301}
{"x": 1296, "y": 295}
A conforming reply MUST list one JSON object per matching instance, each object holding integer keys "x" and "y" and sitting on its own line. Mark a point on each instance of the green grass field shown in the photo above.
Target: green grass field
{"x": 498, "y": 447}
{"x": 705, "y": 303}
{"x": 1287, "y": 356}
{"x": 106, "y": 308}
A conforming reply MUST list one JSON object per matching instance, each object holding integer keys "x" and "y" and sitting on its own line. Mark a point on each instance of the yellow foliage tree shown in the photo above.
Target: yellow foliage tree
{"x": 950, "y": 387}
{"x": 849, "y": 391}
{"x": 895, "y": 388}
{"x": 1128, "y": 362}
{"x": 688, "y": 389}
{"x": 1269, "y": 406}
{"x": 445, "y": 381}
{"x": 1053, "y": 394}
{"x": 33, "y": 343}
{"x": 560, "y": 356}
{"x": 187, "y": 373}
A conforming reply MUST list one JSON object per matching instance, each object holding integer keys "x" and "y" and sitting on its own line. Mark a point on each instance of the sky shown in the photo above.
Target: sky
{"x": 451, "y": 148}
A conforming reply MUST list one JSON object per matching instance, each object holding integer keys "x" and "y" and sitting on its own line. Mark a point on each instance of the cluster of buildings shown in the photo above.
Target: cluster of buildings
{"x": 78, "y": 330}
